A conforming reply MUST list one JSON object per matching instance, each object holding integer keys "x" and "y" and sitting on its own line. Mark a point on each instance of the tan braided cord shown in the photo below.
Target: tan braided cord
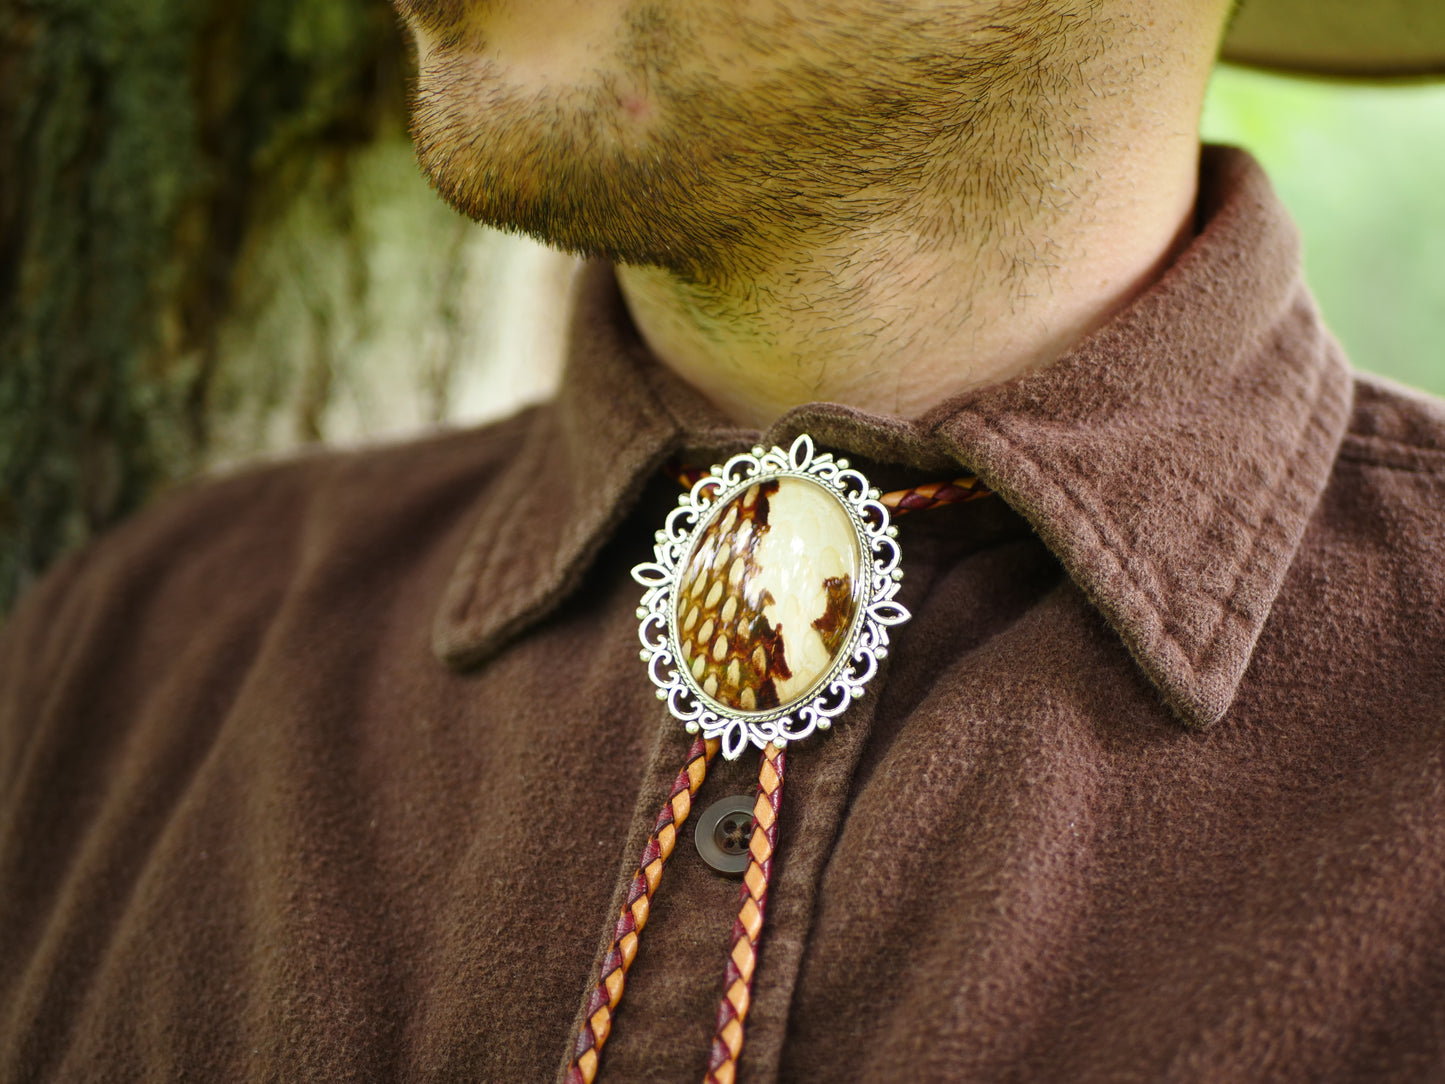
{"x": 732, "y": 1011}
{"x": 612, "y": 976}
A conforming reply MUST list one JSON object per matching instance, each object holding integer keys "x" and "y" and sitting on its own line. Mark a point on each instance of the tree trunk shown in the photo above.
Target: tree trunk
{"x": 213, "y": 243}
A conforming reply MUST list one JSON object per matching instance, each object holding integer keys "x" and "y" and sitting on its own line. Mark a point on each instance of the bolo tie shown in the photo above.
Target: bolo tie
{"x": 765, "y": 613}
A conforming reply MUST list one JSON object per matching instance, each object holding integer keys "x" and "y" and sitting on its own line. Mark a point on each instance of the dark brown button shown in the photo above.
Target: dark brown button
{"x": 723, "y": 833}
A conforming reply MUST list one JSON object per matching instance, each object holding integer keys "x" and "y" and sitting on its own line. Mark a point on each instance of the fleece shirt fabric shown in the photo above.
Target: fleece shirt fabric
{"x": 338, "y": 769}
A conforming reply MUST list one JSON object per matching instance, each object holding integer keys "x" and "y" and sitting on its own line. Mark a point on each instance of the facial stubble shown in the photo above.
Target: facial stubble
{"x": 893, "y": 117}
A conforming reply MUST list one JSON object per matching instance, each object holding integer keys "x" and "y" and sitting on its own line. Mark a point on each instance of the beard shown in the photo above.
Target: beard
{"x": 810, "y": 130}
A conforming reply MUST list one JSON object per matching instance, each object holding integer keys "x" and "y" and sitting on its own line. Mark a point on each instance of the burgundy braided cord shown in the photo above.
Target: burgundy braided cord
{"x": 732, "y": 1010}
{"x": 934, "y": 494}
{"x": 612, "y": 979}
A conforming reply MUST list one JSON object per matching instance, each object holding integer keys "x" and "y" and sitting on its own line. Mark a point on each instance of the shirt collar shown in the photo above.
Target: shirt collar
{"x": 1171, "y": 461}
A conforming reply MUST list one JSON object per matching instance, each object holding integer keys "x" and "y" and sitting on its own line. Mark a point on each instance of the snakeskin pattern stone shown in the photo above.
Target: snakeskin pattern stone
{"x": 769, "y": 595}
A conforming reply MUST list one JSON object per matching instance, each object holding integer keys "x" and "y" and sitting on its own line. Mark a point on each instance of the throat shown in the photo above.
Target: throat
{"x": 894, "y": 331}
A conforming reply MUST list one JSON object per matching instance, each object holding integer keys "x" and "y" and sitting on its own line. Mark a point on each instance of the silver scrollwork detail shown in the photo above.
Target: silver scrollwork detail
{"x": 856, "y": 662}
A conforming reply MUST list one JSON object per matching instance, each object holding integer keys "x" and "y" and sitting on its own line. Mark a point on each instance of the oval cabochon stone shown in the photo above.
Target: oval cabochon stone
{"x": 769, "y": 594}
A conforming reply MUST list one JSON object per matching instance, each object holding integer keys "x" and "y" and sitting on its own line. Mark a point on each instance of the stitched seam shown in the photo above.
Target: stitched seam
{"x": 1377, "y": 451}
{"x": 1230, "y": 598}
{"x": 1271, "y": 517}
{"x": 482, "y": 565}
{"x": 1105, "y": 542}
{"x": 996, "y": 427}
{"x": 1374, "y": 440}
{"x": 1403, "y": 468}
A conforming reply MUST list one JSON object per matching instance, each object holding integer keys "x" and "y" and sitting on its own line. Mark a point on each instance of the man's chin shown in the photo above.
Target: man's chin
{"x": 590, "y": 223}
{"x": 563, "y": 176}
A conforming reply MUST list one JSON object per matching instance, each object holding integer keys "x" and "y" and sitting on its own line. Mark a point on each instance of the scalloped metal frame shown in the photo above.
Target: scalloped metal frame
{"x": 866, "y": 645}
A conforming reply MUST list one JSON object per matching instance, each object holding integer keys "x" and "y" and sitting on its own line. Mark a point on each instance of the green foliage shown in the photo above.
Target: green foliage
{"x": 1362, "y": 169}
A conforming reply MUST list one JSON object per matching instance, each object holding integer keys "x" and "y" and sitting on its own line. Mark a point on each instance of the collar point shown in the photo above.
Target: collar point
{"x": 1199, "y": 696}
{"x": 1200, "y": 710}
{"x": 462, "y": 644}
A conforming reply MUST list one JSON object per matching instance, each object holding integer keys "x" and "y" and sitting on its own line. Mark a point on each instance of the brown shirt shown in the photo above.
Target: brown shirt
{"x": 337, "y": 769}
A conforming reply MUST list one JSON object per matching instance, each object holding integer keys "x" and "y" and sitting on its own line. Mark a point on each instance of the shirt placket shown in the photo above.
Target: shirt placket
{"x": 664, "y": 1026}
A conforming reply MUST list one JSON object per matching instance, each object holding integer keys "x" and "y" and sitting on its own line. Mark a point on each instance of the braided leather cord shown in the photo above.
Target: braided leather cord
{"x": 934, "y": 494}
{"x": 607, "y": 994}
{"x": 727, "y": 1044}
{"x": 899, "y": 502}
{"x": 732, "y": 1011}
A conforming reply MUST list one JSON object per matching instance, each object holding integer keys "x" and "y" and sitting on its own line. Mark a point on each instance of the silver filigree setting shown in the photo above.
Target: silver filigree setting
{"x": 855, "y": 663}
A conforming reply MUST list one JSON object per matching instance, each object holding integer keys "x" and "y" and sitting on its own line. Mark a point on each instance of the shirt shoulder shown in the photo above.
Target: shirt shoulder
{"x": 1386, "y": 498}
{"x": 217, "y": 559}
{"x": 309, "y": 497}
{"x": 1395, "y": 427}
{"x": 1367, "y": 586}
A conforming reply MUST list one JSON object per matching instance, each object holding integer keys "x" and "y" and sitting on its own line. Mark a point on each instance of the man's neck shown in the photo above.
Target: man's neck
{"x": 900, "y": 314}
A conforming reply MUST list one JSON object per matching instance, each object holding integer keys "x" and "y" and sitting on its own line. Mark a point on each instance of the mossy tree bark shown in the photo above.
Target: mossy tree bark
{"x": 137, "y": 140}
{"x": 213, "y": 242}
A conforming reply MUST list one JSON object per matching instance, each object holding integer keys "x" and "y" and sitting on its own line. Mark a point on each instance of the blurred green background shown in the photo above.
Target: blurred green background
{"x": 1362, "y": 168}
